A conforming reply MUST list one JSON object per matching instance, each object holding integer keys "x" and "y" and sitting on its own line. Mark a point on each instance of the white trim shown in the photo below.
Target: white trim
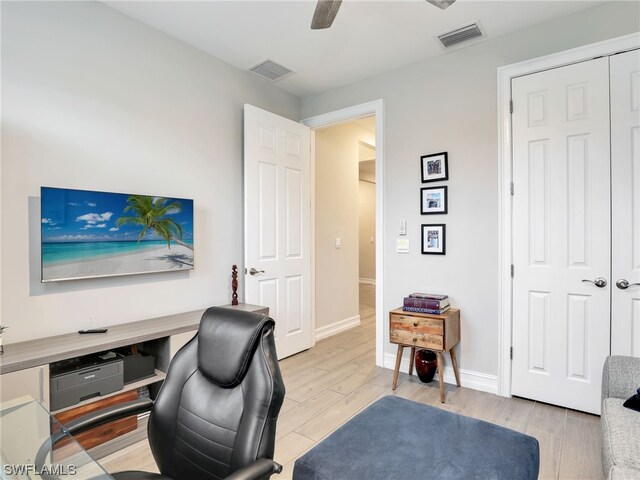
{"x": 469, "y": 379}
{"x": 7, "y": 320}
{"x": 505, "y": 75}
{"x": 337, "y": 327}
{"x": 312, "y": 256}
{"x": 368, "y": 281}
{"x": 345, "y": 114}
{"x": 376, "y": 108}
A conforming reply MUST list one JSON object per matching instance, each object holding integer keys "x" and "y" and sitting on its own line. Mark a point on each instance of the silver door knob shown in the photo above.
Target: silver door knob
{"x": 598, "y": 282}
{"x": 253, "y": 271}
{"x": 623, "y": 284}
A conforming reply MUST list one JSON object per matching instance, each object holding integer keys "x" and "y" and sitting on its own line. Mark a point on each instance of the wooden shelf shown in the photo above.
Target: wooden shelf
{"x": 33, "y": 353}
{"x": 119, "y": 443}
{"x": 159, "y": 376}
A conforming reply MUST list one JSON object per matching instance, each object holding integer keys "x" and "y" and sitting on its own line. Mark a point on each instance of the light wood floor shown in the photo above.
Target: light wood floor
{"x": 336, "y": 379}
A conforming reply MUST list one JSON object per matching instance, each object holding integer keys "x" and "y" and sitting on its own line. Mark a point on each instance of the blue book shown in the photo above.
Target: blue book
{"x": 425, "y": 310}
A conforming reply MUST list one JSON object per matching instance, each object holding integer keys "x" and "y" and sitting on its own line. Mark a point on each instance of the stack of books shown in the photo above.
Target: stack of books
{"x": 426, "y": 303}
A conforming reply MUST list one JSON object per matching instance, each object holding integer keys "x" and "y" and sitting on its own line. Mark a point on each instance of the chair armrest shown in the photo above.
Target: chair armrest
{"x": 90, "y": 421}
{"x": 260, "y": 469}
{"x": 107, "y": 415}
{"x": 620, "y": 376}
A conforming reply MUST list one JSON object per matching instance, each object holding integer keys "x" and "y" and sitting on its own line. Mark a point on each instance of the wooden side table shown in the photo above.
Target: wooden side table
{"x": 439, "y": 333}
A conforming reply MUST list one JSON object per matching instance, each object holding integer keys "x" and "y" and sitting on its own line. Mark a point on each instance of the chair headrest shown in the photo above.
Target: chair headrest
{"x": 227, "y": 339}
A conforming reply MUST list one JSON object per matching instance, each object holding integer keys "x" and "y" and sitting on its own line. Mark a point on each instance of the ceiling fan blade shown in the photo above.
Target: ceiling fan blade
{"x": 326, "y": 11}
{"x": 441, "y": 3}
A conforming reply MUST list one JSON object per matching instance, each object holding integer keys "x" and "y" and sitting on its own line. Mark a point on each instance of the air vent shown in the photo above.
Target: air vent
{"x": 460, "y": 35}
{"x": 270, "y": 70}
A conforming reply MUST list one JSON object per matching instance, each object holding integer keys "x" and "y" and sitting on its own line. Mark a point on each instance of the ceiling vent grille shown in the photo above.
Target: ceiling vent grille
{"x": 270, "y": 70}
{"x": 460, "y": 35}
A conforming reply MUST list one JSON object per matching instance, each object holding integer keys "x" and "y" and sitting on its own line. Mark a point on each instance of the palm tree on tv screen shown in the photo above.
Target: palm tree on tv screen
{"x": 152, "y": 214}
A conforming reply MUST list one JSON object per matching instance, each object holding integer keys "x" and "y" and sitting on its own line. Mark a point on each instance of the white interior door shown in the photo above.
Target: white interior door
{"x": 625, "y": 203}
{"x": 561, "y": 234}
{"x": 277, "y": 237}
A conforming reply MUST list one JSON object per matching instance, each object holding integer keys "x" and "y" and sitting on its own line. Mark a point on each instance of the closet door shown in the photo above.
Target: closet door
{"x": 625, "y": 206}
{"x": 561, "y": 234}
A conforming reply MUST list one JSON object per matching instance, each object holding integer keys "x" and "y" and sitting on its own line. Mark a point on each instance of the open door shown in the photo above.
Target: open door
{"x": 277, "y": 224}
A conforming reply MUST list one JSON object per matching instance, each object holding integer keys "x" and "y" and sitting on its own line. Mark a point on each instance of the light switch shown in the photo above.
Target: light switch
{"x": 403, "y": 227}
{"x": 338, "y": 243}
{"x": 402, "y": 245}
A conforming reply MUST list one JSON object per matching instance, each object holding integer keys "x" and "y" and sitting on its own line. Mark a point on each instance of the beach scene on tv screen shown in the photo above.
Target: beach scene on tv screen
{"x": 97, "y": 234}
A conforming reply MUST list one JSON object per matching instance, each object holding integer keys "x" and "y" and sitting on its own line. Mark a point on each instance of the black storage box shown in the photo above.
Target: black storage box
{"x": 138, "y": 366}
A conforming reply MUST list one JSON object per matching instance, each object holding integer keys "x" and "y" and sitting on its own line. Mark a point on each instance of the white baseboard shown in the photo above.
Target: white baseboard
{"x": 337, "y": 327}
{"x": 368, "y": 281}
{"x": 468, "y": 379}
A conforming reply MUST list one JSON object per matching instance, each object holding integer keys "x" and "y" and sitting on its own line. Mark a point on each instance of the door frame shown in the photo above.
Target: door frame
{"x": 376, "y": 108}
{"x": 505, "y": 177}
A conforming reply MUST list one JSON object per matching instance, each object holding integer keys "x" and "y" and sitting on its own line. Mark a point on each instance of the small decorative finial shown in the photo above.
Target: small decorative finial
{"x": 234, "y": 285}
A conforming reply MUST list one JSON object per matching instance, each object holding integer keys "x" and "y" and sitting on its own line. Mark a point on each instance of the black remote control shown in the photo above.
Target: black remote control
{"x": 94, "y": 330}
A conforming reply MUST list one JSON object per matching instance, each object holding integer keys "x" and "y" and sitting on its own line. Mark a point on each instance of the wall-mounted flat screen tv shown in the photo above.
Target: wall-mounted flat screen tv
{"x": 98, "y": 234}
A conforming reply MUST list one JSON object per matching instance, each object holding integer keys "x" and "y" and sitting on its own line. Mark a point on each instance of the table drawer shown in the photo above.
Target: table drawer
{"x": 419, "y": 339}
{"x": 434, "y": 326}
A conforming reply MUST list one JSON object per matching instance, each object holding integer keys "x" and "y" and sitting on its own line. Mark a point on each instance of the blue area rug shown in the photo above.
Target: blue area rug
{"x": 397, "y": 439}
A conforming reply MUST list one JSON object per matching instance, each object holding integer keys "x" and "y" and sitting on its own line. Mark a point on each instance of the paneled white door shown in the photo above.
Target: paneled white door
{"x": 625, "y": 203}
{"x": 277, "y": 232}
{"x": 561, "y": 234}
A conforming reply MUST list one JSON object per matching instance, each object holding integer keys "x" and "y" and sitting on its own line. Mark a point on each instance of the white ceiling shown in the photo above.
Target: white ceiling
{"x": 367, "y": 37}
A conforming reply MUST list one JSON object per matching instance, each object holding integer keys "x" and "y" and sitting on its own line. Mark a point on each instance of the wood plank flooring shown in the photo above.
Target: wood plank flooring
{"x": 330, "y": 383}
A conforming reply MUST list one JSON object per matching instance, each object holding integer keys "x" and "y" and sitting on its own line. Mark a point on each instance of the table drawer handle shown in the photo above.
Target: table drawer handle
{"x": 415, "y": 324}
{"x": 415, "y": 340}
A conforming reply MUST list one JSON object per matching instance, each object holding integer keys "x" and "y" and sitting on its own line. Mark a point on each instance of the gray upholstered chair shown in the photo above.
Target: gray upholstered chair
{"x": 620, "y": 425}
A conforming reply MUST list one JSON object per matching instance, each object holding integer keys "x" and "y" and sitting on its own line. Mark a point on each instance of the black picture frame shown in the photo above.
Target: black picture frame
{"x": 439, "y": 230}
{"x": 429, "y": 196}
{"x": 434, "y": 167}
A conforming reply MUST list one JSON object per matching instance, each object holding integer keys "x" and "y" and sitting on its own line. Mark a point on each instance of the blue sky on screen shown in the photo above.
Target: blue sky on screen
{"x": 84, "y": 216}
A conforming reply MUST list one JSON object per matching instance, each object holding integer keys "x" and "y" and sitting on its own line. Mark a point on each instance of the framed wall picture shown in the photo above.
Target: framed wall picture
{"x": 434, "y": 167}
{"x": 433, "y": 200}
{"x": 434, "y": 239}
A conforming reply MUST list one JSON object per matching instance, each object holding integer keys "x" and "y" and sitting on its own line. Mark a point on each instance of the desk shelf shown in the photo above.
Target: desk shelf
{"x": 24, "y": 366}
{"x": 159, "y": 376}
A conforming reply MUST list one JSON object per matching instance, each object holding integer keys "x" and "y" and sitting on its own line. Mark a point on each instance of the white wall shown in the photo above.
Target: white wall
{"x": 449, "y": 104}
{"x": 336, "y": 212}
{"x": 95, "y": 100}
{"x": 367, "y": 193}
{"x": 367, "y": 230}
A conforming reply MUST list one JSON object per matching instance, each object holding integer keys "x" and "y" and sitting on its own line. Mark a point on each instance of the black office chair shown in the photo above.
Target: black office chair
{"x": 215, "y": 415}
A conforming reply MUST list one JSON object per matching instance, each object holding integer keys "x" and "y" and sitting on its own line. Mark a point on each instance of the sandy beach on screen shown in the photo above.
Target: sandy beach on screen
{"x": 176, "y": 258}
